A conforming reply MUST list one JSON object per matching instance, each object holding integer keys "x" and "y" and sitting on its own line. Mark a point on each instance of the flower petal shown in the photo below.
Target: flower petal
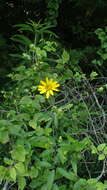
{"x": 55, "y": 89}
{"x": 51, "y": 92}
{"x": 42, "y": 91}
{"x": 42, "y": 82}
{"x": 47, "y": 80}
{"x": 47, "y": 94}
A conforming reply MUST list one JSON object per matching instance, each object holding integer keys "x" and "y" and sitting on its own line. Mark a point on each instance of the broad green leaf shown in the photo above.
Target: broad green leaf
{"x": 33, "y": 124}
{"x": 93, "y": 75}
{"x": 12, "y": 172}
{"x": 19, "y": 153}
{"x": 65, "y": 57}
{"x": 44, "y": 187}
{"x": 101, "y": 147}
{"x": 21, "y": 183}
{"x": 26, "y": 100}
{"x": 101, "y": 157}
{"x": 3, "y": 171}
{"x": 47, "y": 131}
{"x": 50, "y": 180}
{"x": 23, "y": 116}
{"x": 39, "y": 131}
{"x": 105, "y": 150}
{"x": 42, "y": 117}
{"x": 104, "y": 56}
{"x": 33, "y": 173}
{"x": 41, "y": 142}
{"x": 91, "y": 181}
{"x": 94, "y": 149}
{"x": 55, "y": 187}
{"x": 45, "y": 164}
{"x": 4, "y": 123}
{"x": 35, "y": 183}
{"x": 100, "y": 186}
{"x": 69, "y": 175}
{"x": 80, "y": 184}
{"x": 4, "y": 136}
{"x": 14, "y": 129}
{"x": 8, "y": 161}
{"x": 40, "y": 98}
{"x": 74, "y": 166}
{"x": 20, "y": 168}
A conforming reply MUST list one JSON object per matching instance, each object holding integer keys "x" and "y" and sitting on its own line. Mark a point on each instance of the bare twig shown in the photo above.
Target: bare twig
{"x": 103, "y": 170}
{"x": 5, "y": 186}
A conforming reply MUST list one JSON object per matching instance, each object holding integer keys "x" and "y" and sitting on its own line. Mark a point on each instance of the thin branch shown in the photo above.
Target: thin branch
{"x": 103, "y": 170}
{"x": 5, "y": 186}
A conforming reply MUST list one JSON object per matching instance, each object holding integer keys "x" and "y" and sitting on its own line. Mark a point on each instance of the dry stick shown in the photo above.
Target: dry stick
{"x": 103, "y": 113}
{"x": 5, "y": 186}
{"x": 11, "y": 185}
{"x": 87, "y": 167}
{"x": 103, "y": 170}
{"x": 90, "y": 120}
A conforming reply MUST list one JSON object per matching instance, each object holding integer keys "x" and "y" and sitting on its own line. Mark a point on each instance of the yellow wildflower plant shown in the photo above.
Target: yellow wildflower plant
{"x": 48, "y": 86}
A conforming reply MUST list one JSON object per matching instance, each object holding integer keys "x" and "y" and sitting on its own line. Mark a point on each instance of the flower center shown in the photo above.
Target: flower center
{"x": 48, "y": 87}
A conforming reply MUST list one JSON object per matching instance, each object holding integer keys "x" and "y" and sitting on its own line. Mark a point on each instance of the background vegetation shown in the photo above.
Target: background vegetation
{"x": 58, "y": 143}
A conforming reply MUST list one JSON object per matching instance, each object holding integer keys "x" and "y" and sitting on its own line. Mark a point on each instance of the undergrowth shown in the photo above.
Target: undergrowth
{"x": 59, "y": 143}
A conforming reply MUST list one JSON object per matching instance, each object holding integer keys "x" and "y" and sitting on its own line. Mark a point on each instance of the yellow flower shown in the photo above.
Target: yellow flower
{"x": 48, "y": 86}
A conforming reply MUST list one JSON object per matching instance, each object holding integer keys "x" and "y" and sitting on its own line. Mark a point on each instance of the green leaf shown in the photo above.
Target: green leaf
{"x": 4, "y": 136}
{"x": 62, "y": 155}
{"x": 35, "y": 183}
{"x": 41, "y": 142}
{"x": 55, "y": 187}
{"x": 47, "y": 131}
{"x": 22, "y": 39}
{"x": 26, "y": 100}
{"x": 8, "y": 161}
{"x": 20, "y": 168}
{"x": 14, "y": 130}
{"x": 3, "y": 171}
{"x": 42, "y": 117}
{"x": 33, "y": 124}
{"x": 105, "y": 150}
{"x": 101, "y": 147}
{"x": 100, "y": 186}
{"x": 50, "y": 180}
{"x": 65, "y": 57}
{"x": 40, "y": 98}
{"x": 93, "y": 75}
{"x": 21, "y": 183}
{"x": 91, "y": 181}
{"x": 12, "y": 172}
{"x": 94, "y": 149}
{"x": 80, "y": 184}
{"x": 18, "y": 153}
{"x": 55, "y": 120}
{"x": 39, "y": 131}
{"x": 74, "y": 166}
{"x": 24, "y": 27}
{"x": 45, "y": 164}
{"x": 104, "y": 56}
{"x": 69, "y": 175}
{"x": 33, "y": 173}
{"x": 44, "y": 187}
{"x": 101, "y": 157}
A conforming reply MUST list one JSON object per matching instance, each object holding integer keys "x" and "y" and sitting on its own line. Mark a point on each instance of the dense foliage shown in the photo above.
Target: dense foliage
{"x": 53, "y": 140}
